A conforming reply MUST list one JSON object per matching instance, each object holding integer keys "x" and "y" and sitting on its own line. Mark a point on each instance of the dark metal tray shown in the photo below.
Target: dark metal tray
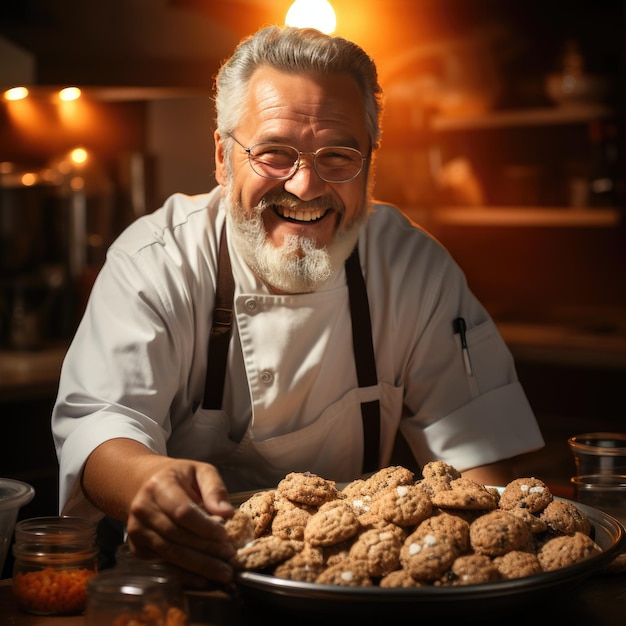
{"x": 375, "y": 602}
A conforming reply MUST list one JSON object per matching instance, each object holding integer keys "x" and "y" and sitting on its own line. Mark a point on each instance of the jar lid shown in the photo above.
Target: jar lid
{"x": 55, "y": 539}
{"x": 51, "y": 529}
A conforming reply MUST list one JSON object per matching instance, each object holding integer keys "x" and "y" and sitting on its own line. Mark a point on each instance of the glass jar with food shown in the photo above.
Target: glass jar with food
{"x": 54, "y": 559}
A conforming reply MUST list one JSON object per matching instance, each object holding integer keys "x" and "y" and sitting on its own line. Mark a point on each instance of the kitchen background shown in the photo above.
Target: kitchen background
{"x": 503, "y": 135}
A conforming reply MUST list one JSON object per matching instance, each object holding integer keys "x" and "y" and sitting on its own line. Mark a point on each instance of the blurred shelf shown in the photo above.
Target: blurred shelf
{"x": 517, "y": 216}
{"x": 541, "y": 116}
{"x": 25, "y": 374}
{"x": 564, "y": 344}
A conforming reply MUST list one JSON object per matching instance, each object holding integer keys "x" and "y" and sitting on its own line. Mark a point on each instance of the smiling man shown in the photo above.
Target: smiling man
{"x": 296, "y": 211}
{"x": 282, "y": 322}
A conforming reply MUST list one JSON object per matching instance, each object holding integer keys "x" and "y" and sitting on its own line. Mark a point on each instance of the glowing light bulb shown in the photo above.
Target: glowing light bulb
{"x": 29, "y": 179}
{"x": 16, "y": 93}
{"x": 78, "y": 155}
{"x": 69, "y": 93}
{"x": 317, "y": 14}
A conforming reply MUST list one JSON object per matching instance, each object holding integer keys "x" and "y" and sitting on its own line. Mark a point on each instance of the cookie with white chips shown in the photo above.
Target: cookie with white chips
{"x": 427, "y": 557}
{"x": 347, "y": 573}
{"x": 403, "y": 505}
{"x": 528, "y": 493}
{"x": 334, "y": 522}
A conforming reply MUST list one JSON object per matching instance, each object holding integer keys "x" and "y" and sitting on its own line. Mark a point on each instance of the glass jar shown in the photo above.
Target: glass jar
{"x": 125, "y": 558}
{"x": 127, "y": 597}
{"x": 54, "y": 559}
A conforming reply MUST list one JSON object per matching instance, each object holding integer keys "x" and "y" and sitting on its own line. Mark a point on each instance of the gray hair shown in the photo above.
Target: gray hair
{"x": 301, "y": 50}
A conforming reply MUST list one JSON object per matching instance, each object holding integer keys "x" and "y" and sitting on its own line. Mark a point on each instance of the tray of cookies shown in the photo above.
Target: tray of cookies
{"x": 442, "y": 541}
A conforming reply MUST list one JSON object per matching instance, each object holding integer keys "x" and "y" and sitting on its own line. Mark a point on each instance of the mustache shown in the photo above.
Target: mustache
{"x": 288, "y": 200}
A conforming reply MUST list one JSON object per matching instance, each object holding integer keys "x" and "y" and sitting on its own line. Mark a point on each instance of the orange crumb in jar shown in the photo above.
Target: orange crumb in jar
{"x": 52, "y": 592}
{"x": 150, "y": 615}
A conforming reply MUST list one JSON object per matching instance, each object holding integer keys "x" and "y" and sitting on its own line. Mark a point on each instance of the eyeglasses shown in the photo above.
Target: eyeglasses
{"x": 333, "y": 164}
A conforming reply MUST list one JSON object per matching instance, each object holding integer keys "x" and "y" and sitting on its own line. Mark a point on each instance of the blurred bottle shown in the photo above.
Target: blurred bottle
{"x": 603, "y": 158}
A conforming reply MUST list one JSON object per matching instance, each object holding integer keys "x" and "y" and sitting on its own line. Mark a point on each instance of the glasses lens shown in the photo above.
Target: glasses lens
{"x": 337, "y": 164}
{"x": 332, "y": 164}
{"x": 273, "y": 160}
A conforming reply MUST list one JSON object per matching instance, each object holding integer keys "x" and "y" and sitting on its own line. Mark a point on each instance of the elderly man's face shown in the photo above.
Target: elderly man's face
{"x": 307, "y": 113}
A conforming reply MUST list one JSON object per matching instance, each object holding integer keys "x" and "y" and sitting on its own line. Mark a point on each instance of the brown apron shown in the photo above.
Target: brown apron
{"x": 362, "y": 345}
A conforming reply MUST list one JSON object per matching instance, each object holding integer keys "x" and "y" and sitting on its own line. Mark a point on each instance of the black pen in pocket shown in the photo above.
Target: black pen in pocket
{"x": 461, "y": 328}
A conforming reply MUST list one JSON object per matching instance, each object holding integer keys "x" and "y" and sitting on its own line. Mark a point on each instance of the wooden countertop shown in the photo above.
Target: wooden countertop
{"x": 599, "y": 600}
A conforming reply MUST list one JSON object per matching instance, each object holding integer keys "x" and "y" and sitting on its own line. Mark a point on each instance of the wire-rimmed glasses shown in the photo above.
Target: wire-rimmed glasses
{"x": 333, "y": 164}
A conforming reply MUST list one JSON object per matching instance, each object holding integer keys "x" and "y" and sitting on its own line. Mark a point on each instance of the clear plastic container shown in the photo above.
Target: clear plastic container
{"x": 54, "y": 559}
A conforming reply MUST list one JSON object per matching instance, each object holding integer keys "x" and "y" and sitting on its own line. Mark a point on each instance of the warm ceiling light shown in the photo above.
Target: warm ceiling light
{"x": 317, "y": 14}
{"x": 78, "y": 155}
{"x": 69, "y": 93}
{"x": 29, "y": 179}
{"x": 77, "y": 183}
{"x": 16, "y": 93}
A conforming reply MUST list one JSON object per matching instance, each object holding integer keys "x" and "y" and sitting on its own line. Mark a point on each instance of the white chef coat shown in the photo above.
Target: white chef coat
{"x": 136, "y": 366}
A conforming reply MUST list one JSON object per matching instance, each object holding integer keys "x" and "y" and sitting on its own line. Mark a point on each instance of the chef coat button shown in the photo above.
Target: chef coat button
{"x": 251, "y": 305}
{"x": 266, "y": 377}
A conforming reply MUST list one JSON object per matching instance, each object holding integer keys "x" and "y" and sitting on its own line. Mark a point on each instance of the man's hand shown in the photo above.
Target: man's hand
{"x": 174, "y": 509}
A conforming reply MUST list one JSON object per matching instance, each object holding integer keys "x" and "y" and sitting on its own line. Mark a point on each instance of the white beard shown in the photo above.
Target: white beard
{"x": 297, "y": 266}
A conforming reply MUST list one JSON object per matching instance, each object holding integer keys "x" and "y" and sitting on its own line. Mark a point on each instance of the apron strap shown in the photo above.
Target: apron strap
{"x": 220, "y": 330}
{"x": 362, "y": 344}
{"x": 364, "y": 358}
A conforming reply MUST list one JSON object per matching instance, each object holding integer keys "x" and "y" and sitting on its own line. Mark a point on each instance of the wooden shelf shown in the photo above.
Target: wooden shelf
{"x": 564, "y": 344}
{"x": 518, "y": 216}
{"x": 540, "y": 116}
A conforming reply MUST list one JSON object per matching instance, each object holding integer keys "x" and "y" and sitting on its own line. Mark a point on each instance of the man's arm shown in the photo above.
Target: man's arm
{"x": 494, "y": 474}
{"x": 172, "y": 508}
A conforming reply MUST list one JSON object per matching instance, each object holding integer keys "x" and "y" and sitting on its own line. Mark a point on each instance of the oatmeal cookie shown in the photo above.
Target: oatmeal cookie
{"x": 536, "y": 524}
{"x": 566, "y": 550}
{"x": 517, "y": 564}
{"x": 260, "y": 507}
{"x": 357, "y": 494}
{"x": 348, "y": 573}
{"x": 379, "y": 549}
{"x": 437, "y": 476}
{"x": 465, "y": 493}
{"x": 451, "y": 527}
{"x": 301, "y": 566}
{"x": 240, "y": 528}
{"x": 356, "y": 489}
{"x": 338, "y": 552}
{"x": 427, "y": 557}
{"x": 400, "y": 578}
{"x": 333, "y": 522}
{"x": 391, "y": 476}
{"x": 265, "y": 552}
{"x": 307, "y": 488}
{"x": 471, "y": 569}
{"x": 404, "y": 505}
{"x": 439, "y": 470}
{"x": 528, "y": 493}
{"x": 565, "y": 518}
{"x": 290, "y": 519}
{"x": 497, "y": 532}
